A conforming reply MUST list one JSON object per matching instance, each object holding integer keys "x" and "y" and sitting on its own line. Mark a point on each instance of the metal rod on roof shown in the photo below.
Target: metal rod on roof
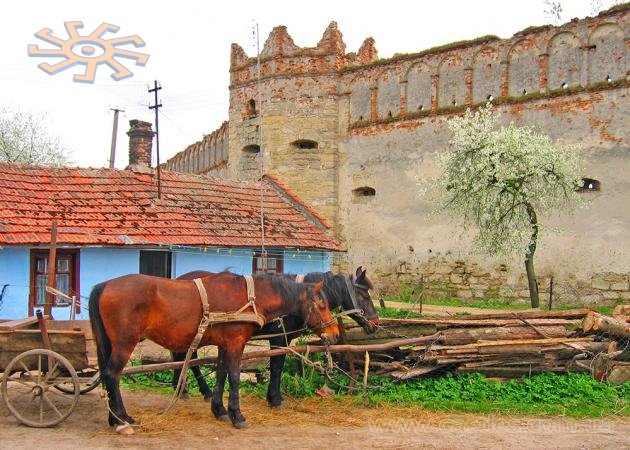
{"x": 262, "y": 153}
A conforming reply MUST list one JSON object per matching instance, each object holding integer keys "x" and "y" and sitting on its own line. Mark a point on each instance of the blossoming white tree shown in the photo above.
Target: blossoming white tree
{"x": 24, "y": 139}
{"x": 500, "y": 180}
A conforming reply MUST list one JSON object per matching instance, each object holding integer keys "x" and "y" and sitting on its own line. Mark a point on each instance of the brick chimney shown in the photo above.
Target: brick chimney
{"x": 140, "y": 146}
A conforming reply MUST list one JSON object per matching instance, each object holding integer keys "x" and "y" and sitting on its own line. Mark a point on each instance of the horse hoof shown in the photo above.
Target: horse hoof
{"x": 276, "y": 405}
{"x": 240, "y": 425}
{"x": 223, "y": 418}
{"x": 124, "y": 429}
{"x": 207, "y": 399}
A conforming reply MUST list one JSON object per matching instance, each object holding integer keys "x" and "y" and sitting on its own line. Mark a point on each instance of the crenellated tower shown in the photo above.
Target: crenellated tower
{"x": 291, "y": 112}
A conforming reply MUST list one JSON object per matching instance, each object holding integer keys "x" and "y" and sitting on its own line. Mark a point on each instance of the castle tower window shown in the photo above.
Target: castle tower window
{"x": 251, "y": 107}
{"x": 364, "y": 191}
{"x": 251, "y": 149}
{"x": 305, "y": 144}
{"x": 389, "y": 114}
{"x": 421, "y": 108}
{"x": 589, "y": 185}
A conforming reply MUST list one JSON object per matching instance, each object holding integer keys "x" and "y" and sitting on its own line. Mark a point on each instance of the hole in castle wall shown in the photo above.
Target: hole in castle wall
{"x": 590, "y": 185}
{"x": 305, "y": 144}
{"x": 251, "y": 149}
{"x": 251, "y": 107}
{"x": 364, "y": 191}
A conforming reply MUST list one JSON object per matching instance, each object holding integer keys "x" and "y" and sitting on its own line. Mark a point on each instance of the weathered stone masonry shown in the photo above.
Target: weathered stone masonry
{"x": 356, "y": 137}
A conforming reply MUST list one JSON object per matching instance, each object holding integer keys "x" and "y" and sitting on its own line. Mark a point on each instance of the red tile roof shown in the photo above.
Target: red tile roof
{"x": 120, "y": 207}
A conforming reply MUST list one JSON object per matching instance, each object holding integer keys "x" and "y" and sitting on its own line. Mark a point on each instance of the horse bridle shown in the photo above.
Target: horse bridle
{"x": 351, "y": 285}
{"x": 321, "y": 324}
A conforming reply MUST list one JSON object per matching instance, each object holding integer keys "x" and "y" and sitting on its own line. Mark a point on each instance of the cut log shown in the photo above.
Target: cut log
{"x": 622, "y": 312}
{"x": 414, "y": 373}
{"x": 388, "y": 333}
{"x": 456, "y": 336}
{"x": 599, "y": 323}
{"x": 289, "y": 350}
{"x": 504, "y": 321}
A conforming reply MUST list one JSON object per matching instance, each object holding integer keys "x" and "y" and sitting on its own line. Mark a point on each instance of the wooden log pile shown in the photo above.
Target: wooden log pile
{"x": 506, "y": 345}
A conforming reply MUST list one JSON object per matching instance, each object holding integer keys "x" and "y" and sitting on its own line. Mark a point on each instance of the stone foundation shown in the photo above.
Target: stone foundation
{"x": 444, "y": 278}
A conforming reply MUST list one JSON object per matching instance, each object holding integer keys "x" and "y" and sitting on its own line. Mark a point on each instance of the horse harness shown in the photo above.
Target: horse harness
{"x": 209, "y": 318}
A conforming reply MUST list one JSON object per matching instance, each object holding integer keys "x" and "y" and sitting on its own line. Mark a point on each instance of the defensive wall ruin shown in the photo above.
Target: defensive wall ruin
{"x": 356, "y": 137}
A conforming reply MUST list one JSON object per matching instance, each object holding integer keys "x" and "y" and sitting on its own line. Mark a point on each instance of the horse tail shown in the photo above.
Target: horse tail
{"x": 103, "y": 344}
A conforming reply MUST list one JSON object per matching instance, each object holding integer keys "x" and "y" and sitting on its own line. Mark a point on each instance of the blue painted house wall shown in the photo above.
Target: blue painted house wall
{"x": 14, "y": 272}
{"x": 99, "y": 264}
{"x": 303, "y": 262}
{"x": 238, "y": 261}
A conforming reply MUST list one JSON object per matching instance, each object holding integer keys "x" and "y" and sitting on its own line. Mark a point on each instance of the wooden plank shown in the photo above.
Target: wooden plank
{"x": 61, "y": 341}
{"x": 18, "y": 323}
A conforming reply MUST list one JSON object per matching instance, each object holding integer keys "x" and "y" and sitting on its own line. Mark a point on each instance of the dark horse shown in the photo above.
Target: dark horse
{"x": 125, "y": 310}
{"x": 338, "y": 289}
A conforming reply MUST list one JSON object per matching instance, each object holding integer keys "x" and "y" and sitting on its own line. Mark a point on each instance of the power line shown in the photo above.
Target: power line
{"x": 157, "y": 106}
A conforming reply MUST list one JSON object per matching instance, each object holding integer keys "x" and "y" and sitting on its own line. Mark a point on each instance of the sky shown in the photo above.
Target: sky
{"x": 188, "y": 43}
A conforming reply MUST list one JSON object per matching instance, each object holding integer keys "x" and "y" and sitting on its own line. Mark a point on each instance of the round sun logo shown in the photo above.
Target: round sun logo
{"x": 90, "y": 51}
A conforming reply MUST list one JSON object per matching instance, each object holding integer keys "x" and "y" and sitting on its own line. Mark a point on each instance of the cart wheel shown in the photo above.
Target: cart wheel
{"x": 27, "y": 383}
{"x": 87, "y": 382}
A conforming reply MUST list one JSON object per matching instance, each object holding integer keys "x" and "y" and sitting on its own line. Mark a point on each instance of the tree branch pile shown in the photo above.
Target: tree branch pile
{"x": 507, "y": 345}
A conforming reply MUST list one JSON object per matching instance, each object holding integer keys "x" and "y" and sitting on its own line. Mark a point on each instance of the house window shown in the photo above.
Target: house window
{"x": 266, "y": 263}
{"x": 155, "y": 263}
{"x": 66, "y": 277}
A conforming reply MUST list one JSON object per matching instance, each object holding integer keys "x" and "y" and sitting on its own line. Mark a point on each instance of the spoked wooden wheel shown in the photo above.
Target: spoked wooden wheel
{"x": 88, "y": 380}
{"x": 27, "y": 388}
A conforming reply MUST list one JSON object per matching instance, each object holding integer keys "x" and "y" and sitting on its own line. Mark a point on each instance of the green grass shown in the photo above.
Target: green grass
{"x": 395, "y": 313}
{"x": 573, "y": 395}
{"x": 410, "y": 295}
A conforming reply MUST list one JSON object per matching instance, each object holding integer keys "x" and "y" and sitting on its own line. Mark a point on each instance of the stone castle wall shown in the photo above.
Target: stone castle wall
{"x": 356, "y": 137}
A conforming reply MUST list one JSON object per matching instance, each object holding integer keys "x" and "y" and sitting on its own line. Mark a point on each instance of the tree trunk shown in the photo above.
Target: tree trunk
{"x": 599, "y": 323}
{"x": 529, "y": 257}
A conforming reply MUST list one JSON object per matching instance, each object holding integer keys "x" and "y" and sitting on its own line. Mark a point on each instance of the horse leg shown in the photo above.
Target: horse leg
{"x": 216, "y": 404}
{"x": 276, "y": 364}
{"x": 111, "y": 379}
{"x": 233, "y": 359}
{"x": 201, "y": 382}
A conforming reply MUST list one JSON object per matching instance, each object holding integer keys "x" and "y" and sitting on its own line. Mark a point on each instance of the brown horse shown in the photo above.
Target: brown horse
{"x": 344, "y": 292}
{"x": 125, "y": 310}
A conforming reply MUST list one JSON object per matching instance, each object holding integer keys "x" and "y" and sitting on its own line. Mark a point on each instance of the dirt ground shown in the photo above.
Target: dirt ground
{"x": 310, "y": 423}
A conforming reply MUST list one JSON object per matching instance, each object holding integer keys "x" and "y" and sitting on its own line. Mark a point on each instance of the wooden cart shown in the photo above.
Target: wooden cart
{"x": 46, "y": 365}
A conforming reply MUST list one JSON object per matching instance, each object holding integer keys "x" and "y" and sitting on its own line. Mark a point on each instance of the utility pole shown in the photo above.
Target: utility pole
{"x": 157, "y": 106}
{"x": 112, "y": 153}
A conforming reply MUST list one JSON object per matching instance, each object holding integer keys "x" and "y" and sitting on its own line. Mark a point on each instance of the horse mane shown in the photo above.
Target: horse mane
{"x": 289, "y": 290}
